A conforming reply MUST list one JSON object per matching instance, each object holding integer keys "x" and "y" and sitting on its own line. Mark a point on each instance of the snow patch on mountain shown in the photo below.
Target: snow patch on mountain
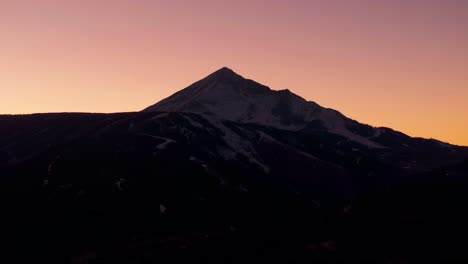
{"x": 164, "y": 144}
{"x": 159, "y": 115}
{"x": 266, "y": 137}
{"x": 237, "y": 145}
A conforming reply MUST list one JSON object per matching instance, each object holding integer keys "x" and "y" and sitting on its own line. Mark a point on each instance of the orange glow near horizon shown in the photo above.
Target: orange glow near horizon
{"x": 399, "y": 64}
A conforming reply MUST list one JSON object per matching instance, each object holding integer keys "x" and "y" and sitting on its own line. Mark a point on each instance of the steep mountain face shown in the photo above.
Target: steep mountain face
{"x": 227, "y": 95}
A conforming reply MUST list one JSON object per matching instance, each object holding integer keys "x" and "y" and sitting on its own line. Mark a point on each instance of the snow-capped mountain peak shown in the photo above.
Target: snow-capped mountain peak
{"x": 227, "y": 95}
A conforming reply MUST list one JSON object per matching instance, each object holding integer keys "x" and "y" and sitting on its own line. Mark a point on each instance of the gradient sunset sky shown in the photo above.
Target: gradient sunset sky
{"x": 399, "y": 63}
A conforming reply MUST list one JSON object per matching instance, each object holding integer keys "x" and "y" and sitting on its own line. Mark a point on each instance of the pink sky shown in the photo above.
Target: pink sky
{"x": 401, "y": 64}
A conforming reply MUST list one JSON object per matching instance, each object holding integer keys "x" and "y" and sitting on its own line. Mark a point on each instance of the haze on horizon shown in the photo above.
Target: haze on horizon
{"x": 399, "y": 64}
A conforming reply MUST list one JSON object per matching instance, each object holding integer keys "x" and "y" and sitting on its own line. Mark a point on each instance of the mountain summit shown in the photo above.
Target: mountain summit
{"x": 226, "y": 95}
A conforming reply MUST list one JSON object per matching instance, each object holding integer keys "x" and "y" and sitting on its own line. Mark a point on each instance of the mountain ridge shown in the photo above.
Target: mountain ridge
{"x": 191, "y": 186}
{"x": 227, "y": 95}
